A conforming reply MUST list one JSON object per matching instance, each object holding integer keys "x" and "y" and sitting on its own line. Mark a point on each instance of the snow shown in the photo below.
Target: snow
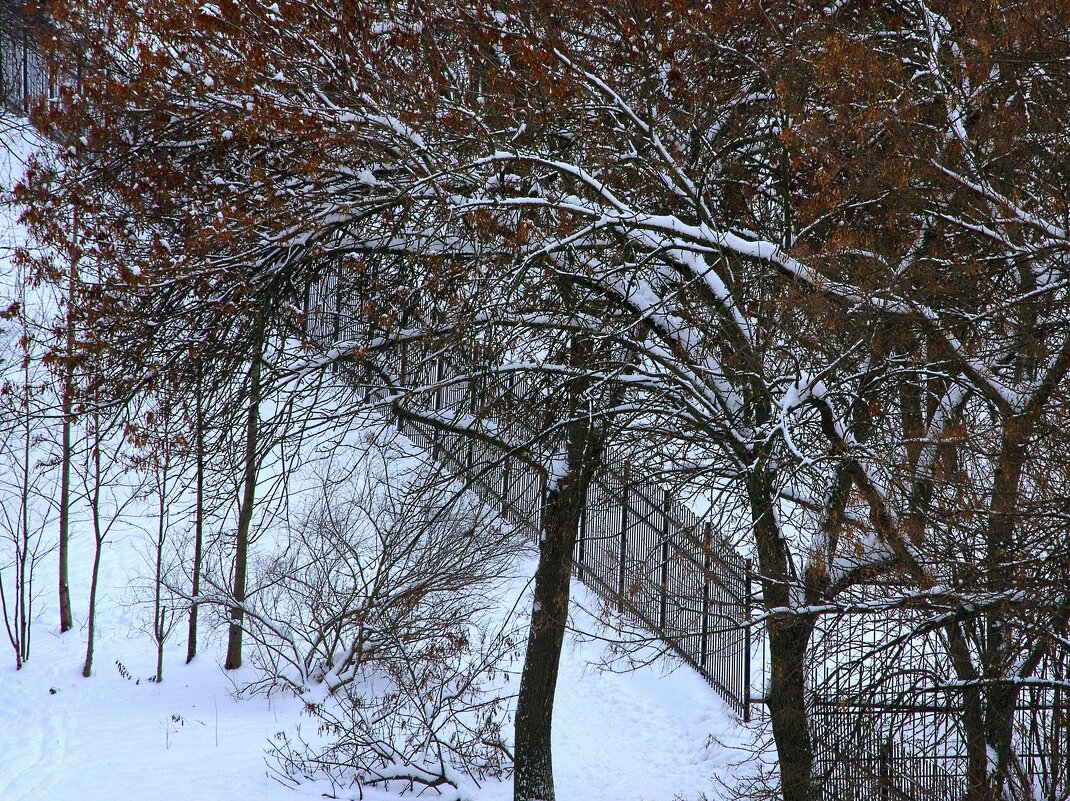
{"x": 641, "y": 734}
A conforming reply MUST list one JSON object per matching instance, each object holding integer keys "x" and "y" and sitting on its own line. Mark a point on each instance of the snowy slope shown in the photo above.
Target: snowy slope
{"x": 643, "y": 734}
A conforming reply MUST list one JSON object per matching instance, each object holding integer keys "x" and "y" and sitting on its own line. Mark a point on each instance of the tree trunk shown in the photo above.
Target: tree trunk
{"x": 66, "y": 619}
{"x": 789, "y": 638}
{"x": 198, "y": 521}
{"x": 159, "y": 612}
{"x": 98, "y": 537}
{"x": 533, "y": 778}
{"x": 245, "y": 517}
{"x": 533, "y": 775}
{"x": 87, "y": 668}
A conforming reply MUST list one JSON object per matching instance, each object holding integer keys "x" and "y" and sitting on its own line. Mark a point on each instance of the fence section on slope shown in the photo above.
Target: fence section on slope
{"x": 642, "y": 551}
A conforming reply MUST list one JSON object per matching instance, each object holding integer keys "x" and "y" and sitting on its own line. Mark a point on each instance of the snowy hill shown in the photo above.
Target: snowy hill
{"x": 639, "y": 734}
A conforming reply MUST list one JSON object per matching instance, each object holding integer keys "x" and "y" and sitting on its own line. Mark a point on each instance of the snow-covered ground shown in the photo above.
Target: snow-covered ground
{"x": 648, "y": 733}
{"x": 642, "y": 734}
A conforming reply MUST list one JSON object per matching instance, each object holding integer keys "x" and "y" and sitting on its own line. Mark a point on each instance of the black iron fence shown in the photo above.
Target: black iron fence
{"x": 888, "y": 719}
{"x": 640, "y": 549}
{"x": 24, "y": 73}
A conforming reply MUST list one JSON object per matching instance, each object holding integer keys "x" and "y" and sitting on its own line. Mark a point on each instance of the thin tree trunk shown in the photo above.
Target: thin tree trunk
{"x": 198, "y": 522}
{"x": 98, "y": 534}
{"x": 87, "y": 668}
{"x": 66, "y": 619}
{"x": 245, "y": 517}
{"x": 159, "y": 617}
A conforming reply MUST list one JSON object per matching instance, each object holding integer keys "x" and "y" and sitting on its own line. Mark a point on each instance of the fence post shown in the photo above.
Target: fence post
{"x": 664, "y": 608}
{"x": 623, "y": 542}
{"x": 704, "y": 645}
{"x": 26, "y": 69}
{"x": 746, "y": 640}
{"x": 581, "y": 541}
{"x": 437, "y": 436}
{"x": 505, "y": 484}
{"x": 884, "y": 769}
{"x": 402, "y": 367}
{"x": 543, "y": 495}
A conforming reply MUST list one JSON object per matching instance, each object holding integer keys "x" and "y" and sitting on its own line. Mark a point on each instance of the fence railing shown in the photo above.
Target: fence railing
{"x": 642, "y": 551}
{"x": 24, "y": 73}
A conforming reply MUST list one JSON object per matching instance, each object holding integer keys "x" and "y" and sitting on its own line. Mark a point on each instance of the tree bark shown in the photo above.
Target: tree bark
{"x": 533, "y": 777}
{"x": 533, "y": 763}
{"x": 198, "y": 520}
{"x": 533, "y": 766}
{"x": 789, "y": 638}
{"x": 245, "y": 516}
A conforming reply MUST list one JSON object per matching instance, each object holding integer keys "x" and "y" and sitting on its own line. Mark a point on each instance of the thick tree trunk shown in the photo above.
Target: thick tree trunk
{"x": 533, "y": 777}
{"x": 788, "y": 641}
{"x": 533, "y": 768}
{"x": 245, "y": 518}
{"x": 789, "y": 638}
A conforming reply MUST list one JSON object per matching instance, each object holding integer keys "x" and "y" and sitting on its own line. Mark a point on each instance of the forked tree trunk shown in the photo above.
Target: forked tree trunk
{"x": 245, "y": 517}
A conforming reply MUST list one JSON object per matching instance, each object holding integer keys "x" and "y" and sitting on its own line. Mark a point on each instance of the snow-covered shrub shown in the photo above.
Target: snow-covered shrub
{"x": 380, "y": 612}
{"x": 425, "y": 720}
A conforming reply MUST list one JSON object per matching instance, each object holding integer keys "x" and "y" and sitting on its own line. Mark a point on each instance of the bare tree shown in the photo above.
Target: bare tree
{"x": 26, "y": 489}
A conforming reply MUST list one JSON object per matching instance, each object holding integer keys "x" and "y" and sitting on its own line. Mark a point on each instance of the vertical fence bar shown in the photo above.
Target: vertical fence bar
{"x": 884, "y": 769}
{"x": 664, "y": 607}
{"x": 623, "y": 543}
{"x": 26, "y": 69}
{"x": 746, "y": 640}
{"x": 504, "y": 505}
{"x": 704, "y": 645}
{"x": 581, "y": 543}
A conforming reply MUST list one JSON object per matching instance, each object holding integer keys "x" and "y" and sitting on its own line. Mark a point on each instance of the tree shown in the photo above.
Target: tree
{"x": 754, "y": 208}
{"x": 251, "y": 462}
{"x": 27, "y": 498}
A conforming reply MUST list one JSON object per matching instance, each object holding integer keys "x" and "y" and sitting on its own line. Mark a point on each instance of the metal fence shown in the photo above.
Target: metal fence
{"x": 642, "y": 551}
{"x": 24, "y": 73}
{"x": 887, "y": 721}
